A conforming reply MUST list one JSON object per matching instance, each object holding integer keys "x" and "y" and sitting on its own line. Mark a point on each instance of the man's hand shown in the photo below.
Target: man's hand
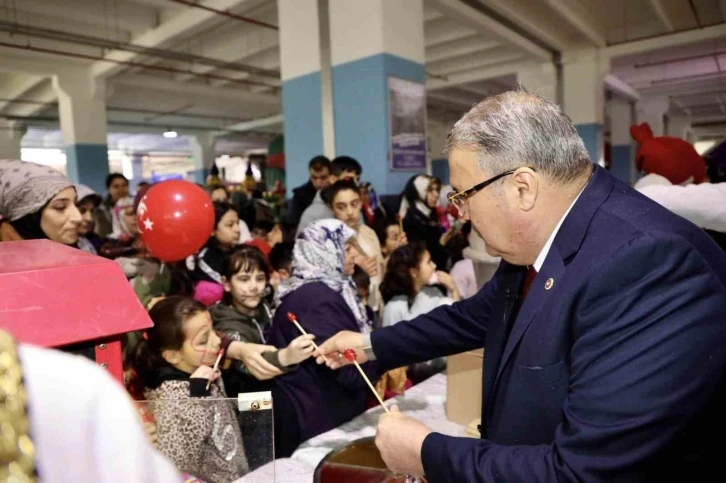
{"x": 334, "y": 347}
{"x": 251, "y": 356}
{"x": 400, "y": 439}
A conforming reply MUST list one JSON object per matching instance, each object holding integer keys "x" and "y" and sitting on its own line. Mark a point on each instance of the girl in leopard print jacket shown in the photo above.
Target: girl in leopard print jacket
{"x": 172, "y": 365}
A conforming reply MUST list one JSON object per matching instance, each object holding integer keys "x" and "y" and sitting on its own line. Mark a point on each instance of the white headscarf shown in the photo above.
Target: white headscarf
{"x": 27, "y": 187}
{"x": 319, "y": 256}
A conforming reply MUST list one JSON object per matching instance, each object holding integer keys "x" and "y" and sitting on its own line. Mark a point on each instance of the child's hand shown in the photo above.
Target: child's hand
{"x": 152, "y": 434}
{"x": 298, "y": 350}
{"x": 205, "y": 372}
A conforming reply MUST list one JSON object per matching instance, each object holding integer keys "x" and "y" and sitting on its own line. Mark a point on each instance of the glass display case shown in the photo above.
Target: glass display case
{"x": 215, "y": 440}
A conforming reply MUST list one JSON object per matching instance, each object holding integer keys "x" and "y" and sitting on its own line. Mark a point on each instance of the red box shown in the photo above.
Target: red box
{"x": 53, "y": 295}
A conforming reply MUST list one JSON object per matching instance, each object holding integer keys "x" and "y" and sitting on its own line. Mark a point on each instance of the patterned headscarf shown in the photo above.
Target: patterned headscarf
{"x": 120, "y": 228}
{"x": 26, "y": 188}
{"x": 319, "y": 256}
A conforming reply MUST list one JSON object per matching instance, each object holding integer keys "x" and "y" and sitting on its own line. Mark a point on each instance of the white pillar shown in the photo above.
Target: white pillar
{"x": 652, "y": 111}
{"x": 621, "y": 118}
{"x": 539, "y": 78}
{"x": 678, "y": 126}
{"x": 583, "y": 75}
{"x": 82, "y": 108}
{"x": 204, "y": 153}
{"x": 11, "y": 135}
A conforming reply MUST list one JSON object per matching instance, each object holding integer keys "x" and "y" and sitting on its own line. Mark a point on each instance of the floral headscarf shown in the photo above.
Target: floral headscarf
{"x": 319, "y": 256}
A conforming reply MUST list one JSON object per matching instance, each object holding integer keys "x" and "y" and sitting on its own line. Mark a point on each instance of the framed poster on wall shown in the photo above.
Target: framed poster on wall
{"x": 407, "y": 124}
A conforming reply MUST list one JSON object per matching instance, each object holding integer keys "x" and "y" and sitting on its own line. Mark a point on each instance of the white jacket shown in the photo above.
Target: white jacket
{"x": 703, "y": 204}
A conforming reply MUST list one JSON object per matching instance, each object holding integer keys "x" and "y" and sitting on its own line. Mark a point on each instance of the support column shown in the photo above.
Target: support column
{"x": 11, "y": 134}
{"x": 302, "y": 94}
{"x": 137, "y": 170}
{"x": 678, "y": 126}
{"x": 203, "y": 153}
{"x": 621, "y": 118}
{"x": 541, "y": 79}
{"x": 652, "y": 111}
{"x": 583, "y": 74}
{"x": 373, "y": 43}
{"x": 82, "y": 107}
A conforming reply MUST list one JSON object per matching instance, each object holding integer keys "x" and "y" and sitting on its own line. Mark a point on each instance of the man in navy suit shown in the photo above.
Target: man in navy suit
{"x": 604, "y": 328}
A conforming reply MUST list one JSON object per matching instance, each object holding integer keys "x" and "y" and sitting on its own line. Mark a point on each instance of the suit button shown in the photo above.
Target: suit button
{"x": 549, "y": 283}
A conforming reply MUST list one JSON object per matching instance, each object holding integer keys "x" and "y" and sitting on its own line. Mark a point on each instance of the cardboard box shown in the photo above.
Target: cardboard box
{"x": 463, "y": 386}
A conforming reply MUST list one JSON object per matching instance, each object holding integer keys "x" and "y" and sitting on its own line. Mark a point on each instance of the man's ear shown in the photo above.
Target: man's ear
{"x": 227, "y": 286}
{"x": 527, "y": 185}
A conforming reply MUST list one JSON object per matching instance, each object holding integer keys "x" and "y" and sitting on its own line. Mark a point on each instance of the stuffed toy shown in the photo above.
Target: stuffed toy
{"x": 673, "y": 158}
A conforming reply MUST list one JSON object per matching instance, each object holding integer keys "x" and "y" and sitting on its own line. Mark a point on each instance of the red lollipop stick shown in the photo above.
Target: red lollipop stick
{"x": 350, "y": 355}
{"x": 291, "y": 317}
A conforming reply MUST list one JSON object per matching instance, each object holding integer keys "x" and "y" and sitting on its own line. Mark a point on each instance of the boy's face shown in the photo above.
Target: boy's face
{"x": 247, "y": 288}
{"x": 363, "y": 293}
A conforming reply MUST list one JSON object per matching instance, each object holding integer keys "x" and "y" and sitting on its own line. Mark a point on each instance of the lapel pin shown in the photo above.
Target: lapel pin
{"x": 549, "y": 283}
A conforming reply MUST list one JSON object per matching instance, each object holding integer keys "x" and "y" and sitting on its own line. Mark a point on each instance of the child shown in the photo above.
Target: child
{"x": 172, "y": 368}
{"x": 244, "y": 316}
{"x": 391, "y": 238}
{"x": 405, "y": 288}
{"x": 281, "y": 263}
{"x": 363, "y": 284}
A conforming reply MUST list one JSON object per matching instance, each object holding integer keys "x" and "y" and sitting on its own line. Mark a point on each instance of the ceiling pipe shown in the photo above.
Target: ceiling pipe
{"x": 60, "y": 35}
{"x": 679, "y": 59}
{"x": 76, "y": 55}
{"x": 133, "y": 110}
{"x": 227, "y": 13}
{"x": 156, "y": 127}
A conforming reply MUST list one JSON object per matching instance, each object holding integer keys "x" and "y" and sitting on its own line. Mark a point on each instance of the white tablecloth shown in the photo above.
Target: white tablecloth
{"x": 424, "y": 402}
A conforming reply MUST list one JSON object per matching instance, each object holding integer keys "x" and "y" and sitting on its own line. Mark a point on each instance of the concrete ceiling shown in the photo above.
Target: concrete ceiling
{"x": 472, "y": 49}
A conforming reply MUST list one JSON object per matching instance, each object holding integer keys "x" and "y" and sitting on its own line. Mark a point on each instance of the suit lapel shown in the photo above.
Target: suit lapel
{"x": 553, "y": 269}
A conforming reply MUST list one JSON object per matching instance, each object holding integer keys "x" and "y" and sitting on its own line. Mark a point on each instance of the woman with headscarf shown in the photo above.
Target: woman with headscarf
{"x": 125, "y": 245}
{"x": 37, "y": 202}
{"x": 420, "y": 219}
{"x": 87, "y": 202}
{"x": 325, "y": 301}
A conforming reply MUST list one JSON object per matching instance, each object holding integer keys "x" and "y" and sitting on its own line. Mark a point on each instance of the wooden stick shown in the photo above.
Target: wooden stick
{"x": 216, "y": 366}
{"x": 350, "y": 355}
{"x": 292, "y": 318}
{"x": 400, "y": 222}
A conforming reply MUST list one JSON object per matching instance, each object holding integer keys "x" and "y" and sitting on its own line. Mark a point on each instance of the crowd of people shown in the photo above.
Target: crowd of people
{"x": 337, "y": 244}
{"x": 364, "y": 272}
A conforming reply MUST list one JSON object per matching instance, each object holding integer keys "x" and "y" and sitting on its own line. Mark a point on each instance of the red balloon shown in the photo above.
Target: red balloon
{"x": 175, "y": 218}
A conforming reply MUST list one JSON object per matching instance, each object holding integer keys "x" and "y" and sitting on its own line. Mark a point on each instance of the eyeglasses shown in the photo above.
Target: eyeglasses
{"x": 458, "y": 200}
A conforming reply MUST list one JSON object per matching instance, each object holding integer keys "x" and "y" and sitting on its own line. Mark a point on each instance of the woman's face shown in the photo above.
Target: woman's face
{"x": 351, "y": 254}
{"x": 201, "y": 345}
{"x": 393, "y": 237}
{"x": 227, "y": 231}
{"x": 425, "y": 270}
{"x": 61, "y": 219}
{"x": 432, "y": 195}
{"x": 247, "y": 288}
{"x": 346, "y": 207}
{"x": 119, "y": 188}
{"x": 130, "y": 220}
{"x": 86, "y": 209}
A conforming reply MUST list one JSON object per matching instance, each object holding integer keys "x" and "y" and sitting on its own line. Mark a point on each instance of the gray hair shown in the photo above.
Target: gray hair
{"x": 517, "y": 129}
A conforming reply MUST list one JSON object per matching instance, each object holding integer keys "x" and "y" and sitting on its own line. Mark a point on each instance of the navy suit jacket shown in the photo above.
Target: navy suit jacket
{"x": 614, "y": 373}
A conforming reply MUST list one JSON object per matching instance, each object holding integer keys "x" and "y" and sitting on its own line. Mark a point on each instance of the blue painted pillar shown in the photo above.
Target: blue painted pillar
{"x": 203, "y": 155}
{"x": 82, "y": 108}
{"x": 583, "y": 74}
{"x": 302, "y": 97}
{"x": 377, "y": 57}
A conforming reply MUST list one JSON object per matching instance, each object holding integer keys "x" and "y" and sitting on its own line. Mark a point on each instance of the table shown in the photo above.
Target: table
{"x": 424, "y": 402}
